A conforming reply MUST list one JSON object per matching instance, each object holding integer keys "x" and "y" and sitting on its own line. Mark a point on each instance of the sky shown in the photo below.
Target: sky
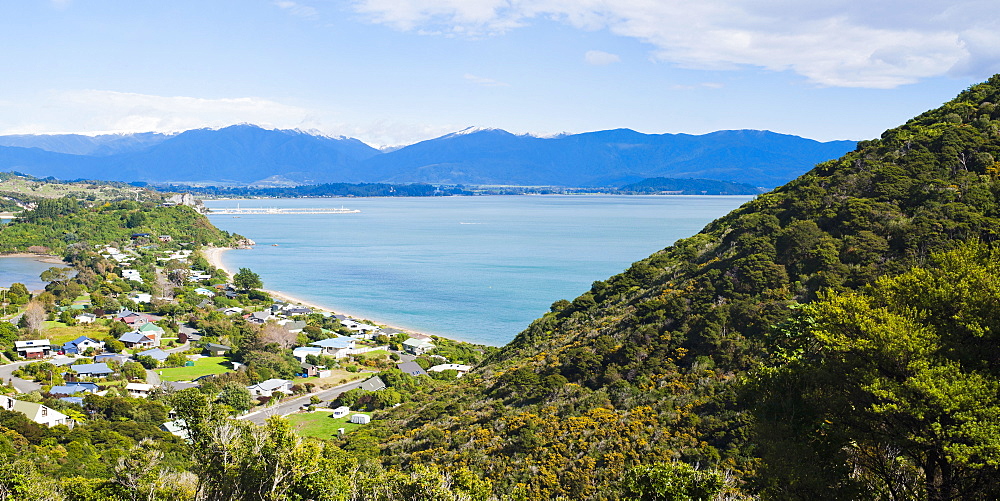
{"x": 394, "y": 72}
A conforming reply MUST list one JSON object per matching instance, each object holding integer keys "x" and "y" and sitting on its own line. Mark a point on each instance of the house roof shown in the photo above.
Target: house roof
{"x": 334, "y": 342}
{"x": 133, "y": 337}
{"x": 33, "y": 343}
{"x": 270, "y": 384}
{"x": 178, "y": 385}
{"x": 91, "y": 368}
{"x": 74, "y": 388}
{"x": 112, "y": 356}
{"x": 452, "y": 367}
{"x": 156, "y": 353}
{"x": 73, "y": 400}
{"x": 79, "y": 340}
{"x": 418, "y": 343}
{"x": 150, "y": 327}
{"x": 411, "y": 368}
{"x": 373, "y": 384}
{"x": 217, "y": 347}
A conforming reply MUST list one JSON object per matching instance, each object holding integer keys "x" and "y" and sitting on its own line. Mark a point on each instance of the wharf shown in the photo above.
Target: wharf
{"x": 274, "y": 210}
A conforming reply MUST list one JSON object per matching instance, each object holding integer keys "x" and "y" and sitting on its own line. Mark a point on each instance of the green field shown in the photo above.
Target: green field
{"x": 60, "y": 333}
{"x": 201, "y": 367}
{"x": 320, "y": 424}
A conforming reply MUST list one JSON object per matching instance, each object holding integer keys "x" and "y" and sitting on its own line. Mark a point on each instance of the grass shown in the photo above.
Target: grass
{"x": 320, "y": 424}
{"x": 60, "y": 333}
{"x": 374, "y": 355}
{"x": 201, "y": 367}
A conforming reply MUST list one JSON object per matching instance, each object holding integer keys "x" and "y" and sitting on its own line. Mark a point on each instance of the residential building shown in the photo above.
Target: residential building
{"x": 266, "y": 388}
{"x": 417, "y": 346}
{"x": 81, "y": 344}
{"x": 33, "y": 349}
{"x": 373, "y": 384}
{"x": 461, "y": 369}
{"x": 217, "y": 350}
{"x": 139, "y": 390}
{"x": 73, "y": 388}
{"x": 411, "y": 368}
{"x": 38, "y": 413}
{"x": 91, "y": 370}
{"x": 336, "y": 347}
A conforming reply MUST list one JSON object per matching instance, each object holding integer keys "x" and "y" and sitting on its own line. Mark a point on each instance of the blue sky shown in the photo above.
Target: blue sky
{"x": 393, "y": 72}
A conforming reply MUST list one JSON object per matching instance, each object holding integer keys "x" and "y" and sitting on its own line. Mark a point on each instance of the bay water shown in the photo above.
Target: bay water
{"x": 477, "y": 269}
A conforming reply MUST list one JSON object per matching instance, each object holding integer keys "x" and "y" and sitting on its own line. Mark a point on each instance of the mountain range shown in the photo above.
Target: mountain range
{"x": 248, "y": 154}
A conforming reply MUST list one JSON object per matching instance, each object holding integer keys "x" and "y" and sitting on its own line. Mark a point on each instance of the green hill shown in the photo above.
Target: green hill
{"x": 652, "y": 365}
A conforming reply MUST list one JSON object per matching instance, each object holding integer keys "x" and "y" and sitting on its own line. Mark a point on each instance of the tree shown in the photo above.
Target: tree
{"x": 236, "y": 396}
{"x": 246, "y": 280}
{"x": 175, "y": 360}
{"x": 34, "y": 317}
{"x": 893, "y": 394}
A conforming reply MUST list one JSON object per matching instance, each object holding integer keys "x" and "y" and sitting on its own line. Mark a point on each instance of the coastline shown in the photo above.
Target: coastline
{"x": 214, "y": 257}
{"x": 41, "y": 258}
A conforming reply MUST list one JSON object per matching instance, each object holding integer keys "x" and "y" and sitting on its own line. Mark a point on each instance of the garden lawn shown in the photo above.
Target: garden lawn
{"x": 319, "y": 424}
{"x": 201, "y": 367}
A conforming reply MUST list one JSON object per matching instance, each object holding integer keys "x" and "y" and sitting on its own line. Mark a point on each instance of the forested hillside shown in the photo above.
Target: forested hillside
{"x": 56, "y": 224}
{"x": 674, "y": 359}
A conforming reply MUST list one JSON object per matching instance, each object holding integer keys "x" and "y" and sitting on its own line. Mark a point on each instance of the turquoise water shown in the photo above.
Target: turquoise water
{"x": 478, "y": 269}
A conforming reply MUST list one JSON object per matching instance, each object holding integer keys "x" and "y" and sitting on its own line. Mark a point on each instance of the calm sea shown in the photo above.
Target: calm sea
{"x": 26, "y": 270}
{"x": 478, "y": 269}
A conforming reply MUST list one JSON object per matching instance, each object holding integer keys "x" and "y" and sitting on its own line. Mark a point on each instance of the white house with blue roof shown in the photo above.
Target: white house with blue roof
{"x": 336, "y": 347}
{"x": 82, "y": 344}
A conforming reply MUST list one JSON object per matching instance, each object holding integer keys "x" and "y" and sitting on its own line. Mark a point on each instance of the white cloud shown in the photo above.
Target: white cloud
{"x": 846, "y": 43}
{"x": 93, "y": 111}
{"x": 485, "y": 82}
{"x": 600, "y": 58}
{"x": 297, "y": 9}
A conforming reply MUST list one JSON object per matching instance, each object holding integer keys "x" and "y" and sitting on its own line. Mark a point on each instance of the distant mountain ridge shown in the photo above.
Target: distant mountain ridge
{"x": 246, "y": 154}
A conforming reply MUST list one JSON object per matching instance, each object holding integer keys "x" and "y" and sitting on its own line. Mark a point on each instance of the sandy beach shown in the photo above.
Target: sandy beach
{"x": 214, "y": 257}
{"x": 41, "y": 258}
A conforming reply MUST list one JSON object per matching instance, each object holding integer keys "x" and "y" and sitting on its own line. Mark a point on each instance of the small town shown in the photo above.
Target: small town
{"x": 163, "y": 320}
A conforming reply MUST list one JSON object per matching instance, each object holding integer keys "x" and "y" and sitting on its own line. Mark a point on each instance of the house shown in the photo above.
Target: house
{"x": 91, "y": 370}
{"x": 132, "y": 275}
{"x": 135, "y": 319}
{"x": 139, "y": 390}
{"x": 33, "y": 349}
{"x": 417, "y": 346}
{"x": 297, "y": 310}
{"x": 459, "y": 368}
{"x": 340, "y": 412}
{"x": 176, "y": 427}
{"x": 73, "y": 389}
{"x": 233, "y": 310}
{"x": 141, "y": 297}
{"x": 112, "y": 357}
{"x": 177, "y": 385}
{"x": 153, "y": 331}
{"x": 73, "y": 400}
{"x": 201, "y": 291}
{"x": 361, "y": 419}
{"x": 411, "y": 368}
{"x": 136, "y": 339}
{"x": 336, "y": 347}
{"x": 266, "y": 388}
{"x": 373, "y": 384}
{"x": 293, "y": 326}
{"x": 217, "y": 350}
{"x": 308, "y": 370}
{"x": 156, "y": 354}
{"x": 85, "y": 318}
{"x": 81, "y": 344}
{"x": 38, "y": 413}
{"x": 166, "y": 238}
{"x": 304, "y": 351}
{"x": 260, "y": 317}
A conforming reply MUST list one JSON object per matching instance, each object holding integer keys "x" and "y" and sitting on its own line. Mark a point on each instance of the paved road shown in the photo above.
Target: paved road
{"x": 290, "y": 406}
{"x": 21, "y": 385}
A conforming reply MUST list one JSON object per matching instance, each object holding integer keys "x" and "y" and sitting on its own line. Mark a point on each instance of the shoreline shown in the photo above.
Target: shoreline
{"x": 41, "y": 258}
{"x": 214, "y": 257}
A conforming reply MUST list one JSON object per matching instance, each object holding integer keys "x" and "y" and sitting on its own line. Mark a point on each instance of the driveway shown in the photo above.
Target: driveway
{"x": 290, "y": 406}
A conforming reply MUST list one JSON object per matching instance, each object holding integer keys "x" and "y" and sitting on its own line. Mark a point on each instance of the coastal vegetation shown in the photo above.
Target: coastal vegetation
{"x": 831, "y": 339}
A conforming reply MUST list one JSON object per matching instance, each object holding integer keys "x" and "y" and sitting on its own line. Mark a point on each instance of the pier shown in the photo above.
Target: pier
{"x": 274, "y": 210}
